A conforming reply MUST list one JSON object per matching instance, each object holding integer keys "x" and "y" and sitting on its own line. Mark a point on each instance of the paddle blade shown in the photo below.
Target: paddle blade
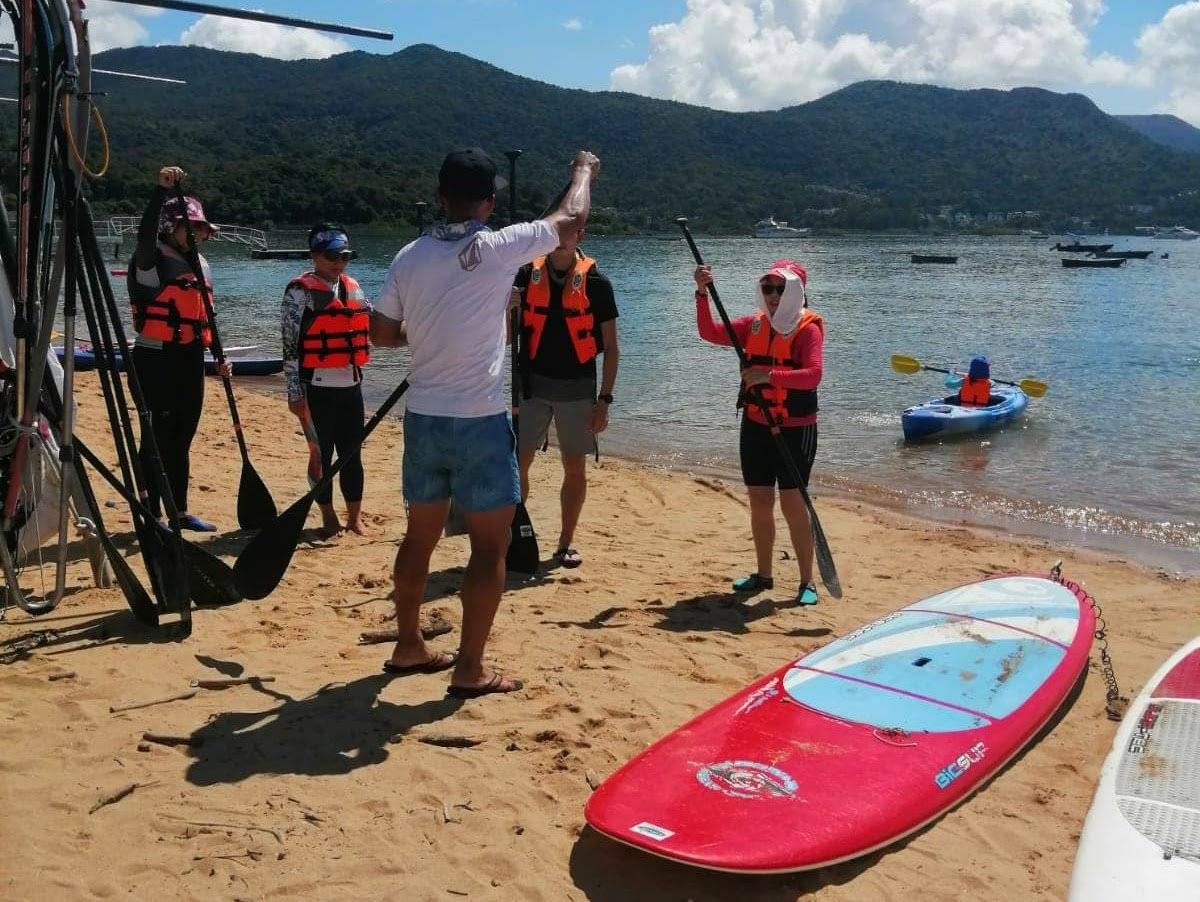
{"x": 1035, "y": 388}
{"x": 210, "y": 579}
{"x": 255, "y": 506}
{"x": 523, "y": 556}
{"x": 902, "y": 363}
{"x": 825, "y": 565}
{"x": 136, "y": 596}
{"x": 262, "y": 563}
{"x": 456, "y": 522}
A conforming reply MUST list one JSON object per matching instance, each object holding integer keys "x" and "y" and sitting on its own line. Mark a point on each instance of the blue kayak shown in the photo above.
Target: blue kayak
{"x": 945, "y": 416}
{"x": 85, "y": 359}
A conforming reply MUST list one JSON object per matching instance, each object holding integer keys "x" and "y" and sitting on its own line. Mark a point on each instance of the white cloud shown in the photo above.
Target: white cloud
{"x": 1171, "y": 48}
{"x": 573, "y": 25}
{"x": 277, "y": 41}
{"x": 762, "y": 54}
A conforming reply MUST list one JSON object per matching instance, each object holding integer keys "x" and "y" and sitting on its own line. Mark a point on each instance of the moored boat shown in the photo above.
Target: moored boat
{"x": 1093, "y": 263}
{"x": 1177, "y": 233}
{"x": 1078, "y": 248}
{"x": 1124, "y": 255}
{"x": 933, "y": 258}
{"x": 769, "y": 228}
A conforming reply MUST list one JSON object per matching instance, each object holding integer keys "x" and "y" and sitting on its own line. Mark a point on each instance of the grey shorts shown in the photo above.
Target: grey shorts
{"x": 571, "y": 425}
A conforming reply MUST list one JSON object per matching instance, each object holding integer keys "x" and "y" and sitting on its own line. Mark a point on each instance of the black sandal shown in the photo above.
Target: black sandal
{"x": 568, "y": 557}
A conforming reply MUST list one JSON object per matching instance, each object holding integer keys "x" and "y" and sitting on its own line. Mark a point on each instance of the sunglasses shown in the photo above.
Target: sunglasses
{"x": 335, "y": 256}
{"x": 771, "y": 288}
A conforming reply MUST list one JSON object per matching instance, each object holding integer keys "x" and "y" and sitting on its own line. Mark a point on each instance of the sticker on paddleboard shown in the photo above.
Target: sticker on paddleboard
{"x": 748, "y": 780}
{"x": 652, "y": 831}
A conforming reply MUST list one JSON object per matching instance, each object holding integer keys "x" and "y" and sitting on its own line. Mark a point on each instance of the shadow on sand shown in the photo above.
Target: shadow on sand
{"x": 336, "y": 730}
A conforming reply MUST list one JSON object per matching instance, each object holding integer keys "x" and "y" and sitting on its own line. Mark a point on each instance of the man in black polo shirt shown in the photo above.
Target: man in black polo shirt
{"x": 569, "y": 318}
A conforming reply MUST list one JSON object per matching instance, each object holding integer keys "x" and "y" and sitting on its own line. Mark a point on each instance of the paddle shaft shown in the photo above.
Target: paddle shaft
{"x": 823, "y": 554}
{"x": 193, "y": 259}
{"x": 209, "y": 9}
{"x": 938, "y": 369}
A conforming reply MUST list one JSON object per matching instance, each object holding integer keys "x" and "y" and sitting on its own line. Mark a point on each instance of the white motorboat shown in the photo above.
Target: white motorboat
{"x": 769, "y": 228}
{"x": 1178, "y": 233}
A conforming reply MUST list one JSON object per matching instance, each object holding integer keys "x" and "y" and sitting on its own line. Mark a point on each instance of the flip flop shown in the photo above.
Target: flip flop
{"x": 568, "y": 557}
{"x": 433, "y": 665}
{"x": 493, "y": 686}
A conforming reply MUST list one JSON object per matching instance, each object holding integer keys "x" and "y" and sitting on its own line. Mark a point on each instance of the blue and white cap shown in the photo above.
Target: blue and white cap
{"x": 329, "y": 240}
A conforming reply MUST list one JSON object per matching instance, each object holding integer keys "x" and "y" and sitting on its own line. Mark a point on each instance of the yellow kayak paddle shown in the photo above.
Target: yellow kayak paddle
{"x": 910, "y": 366}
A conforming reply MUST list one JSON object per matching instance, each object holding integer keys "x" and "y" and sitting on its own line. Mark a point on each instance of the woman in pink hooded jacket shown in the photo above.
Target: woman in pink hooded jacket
{"x": 783, "y": 342}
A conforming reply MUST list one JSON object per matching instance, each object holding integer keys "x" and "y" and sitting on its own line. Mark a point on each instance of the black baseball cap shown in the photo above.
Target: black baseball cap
{"x": 469, "y": 174}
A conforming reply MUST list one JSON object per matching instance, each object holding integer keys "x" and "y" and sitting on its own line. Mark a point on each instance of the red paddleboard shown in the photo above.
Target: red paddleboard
{"x": 860, "y": 743}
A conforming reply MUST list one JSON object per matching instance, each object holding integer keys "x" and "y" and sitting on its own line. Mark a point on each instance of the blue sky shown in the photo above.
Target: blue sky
{"x": 730, "y": 54}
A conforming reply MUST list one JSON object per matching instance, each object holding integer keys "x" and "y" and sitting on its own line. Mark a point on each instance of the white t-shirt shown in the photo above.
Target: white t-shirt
{"x": 452, "y": 296}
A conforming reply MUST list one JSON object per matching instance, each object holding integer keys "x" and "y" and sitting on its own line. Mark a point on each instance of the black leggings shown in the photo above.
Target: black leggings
{"x": 172, "y": 379}
{"x": 337, "y": 415}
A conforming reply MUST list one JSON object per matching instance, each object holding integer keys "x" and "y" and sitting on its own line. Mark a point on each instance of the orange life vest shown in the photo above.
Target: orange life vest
{"x": 576, "y": 309}
{"x": 767, "y": 348}
{"x": 338, "y": 331}
{"x": 975, "y": 392}
{"x": 172, "y": 313}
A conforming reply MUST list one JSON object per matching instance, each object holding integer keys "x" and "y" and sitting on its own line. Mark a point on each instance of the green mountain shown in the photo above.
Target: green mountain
{"x": 358, "y": 137}
{"x": 1170, "y": 131}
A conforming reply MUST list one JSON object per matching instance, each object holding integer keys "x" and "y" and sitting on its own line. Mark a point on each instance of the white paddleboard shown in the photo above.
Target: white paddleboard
{"x": 1141, "y": 839}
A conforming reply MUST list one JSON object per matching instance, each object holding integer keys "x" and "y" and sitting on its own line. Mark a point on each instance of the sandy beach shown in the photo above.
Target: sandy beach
{"x": 321, "y": 782}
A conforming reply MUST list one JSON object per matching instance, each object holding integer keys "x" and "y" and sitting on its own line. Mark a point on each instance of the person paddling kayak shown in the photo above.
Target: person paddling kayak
{"x": 326, "y": 343}
{"x": 784, "y": 342}
{"x": 173, "y": 331}
{"x": 975, "y": 386}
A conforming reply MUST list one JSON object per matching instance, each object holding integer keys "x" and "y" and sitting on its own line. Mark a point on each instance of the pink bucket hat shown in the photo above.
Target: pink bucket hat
{"x": 173, "y": 212}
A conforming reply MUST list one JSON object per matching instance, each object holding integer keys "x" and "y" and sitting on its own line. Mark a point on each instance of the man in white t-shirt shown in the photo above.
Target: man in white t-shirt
{"x": 447, "y": 296}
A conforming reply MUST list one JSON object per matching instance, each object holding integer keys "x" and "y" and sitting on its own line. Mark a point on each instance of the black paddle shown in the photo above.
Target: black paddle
{"x": 255, "y": 506}
{"x": 210, "y": 580}
{"x": 523, "y": 553}
{"x": 824, "y": 556}
{"x": 263, "y": 562}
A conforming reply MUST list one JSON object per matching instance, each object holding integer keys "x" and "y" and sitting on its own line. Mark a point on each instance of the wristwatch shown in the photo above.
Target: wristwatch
{"x": 607, "y": 399}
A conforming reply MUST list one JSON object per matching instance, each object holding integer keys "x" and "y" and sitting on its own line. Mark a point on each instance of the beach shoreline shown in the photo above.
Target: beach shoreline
{"x": 324, "y": 782}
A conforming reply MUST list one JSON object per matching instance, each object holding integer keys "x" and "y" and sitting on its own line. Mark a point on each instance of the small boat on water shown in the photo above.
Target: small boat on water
{"x": 1078, "y": 248}
{"x": 1177, "y": 233}
{"x": 1094, "y": 263}
{"x": 933, "y": 258}
{"x": 769, "y": 228}
{"x": 243, "y": 363}
{"x": 1124, "y": 255}
{"x": 946, "y": 416}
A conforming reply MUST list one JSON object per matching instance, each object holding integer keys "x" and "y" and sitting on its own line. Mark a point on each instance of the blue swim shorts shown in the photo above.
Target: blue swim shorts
{"x": 470, "y": 459}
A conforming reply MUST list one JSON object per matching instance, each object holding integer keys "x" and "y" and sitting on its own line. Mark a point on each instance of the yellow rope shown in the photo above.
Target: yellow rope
{"x": 99, "y": 121}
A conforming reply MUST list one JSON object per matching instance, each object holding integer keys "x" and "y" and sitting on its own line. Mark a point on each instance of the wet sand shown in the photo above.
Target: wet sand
{"x": 318, "y": 784}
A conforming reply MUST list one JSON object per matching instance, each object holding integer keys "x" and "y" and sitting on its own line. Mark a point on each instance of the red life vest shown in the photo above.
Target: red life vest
{"x": 767, "y": 348}
{"x": 338, "y": 331}
{"x": 172, "y": 313}
{"x": 975, "y": 392}
{"x": 576, "y": 309}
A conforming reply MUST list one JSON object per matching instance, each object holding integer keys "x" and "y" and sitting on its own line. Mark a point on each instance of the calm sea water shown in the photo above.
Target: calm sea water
{"x": 1108, "y": 457}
